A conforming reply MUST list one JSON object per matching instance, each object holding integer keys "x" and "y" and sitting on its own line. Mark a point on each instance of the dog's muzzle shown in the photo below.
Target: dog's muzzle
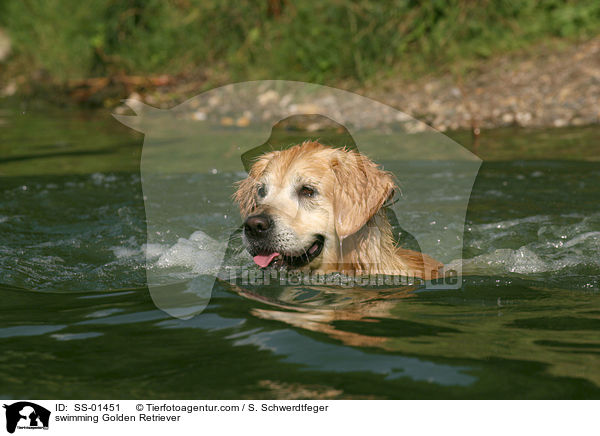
{"x": 258, "y": 226}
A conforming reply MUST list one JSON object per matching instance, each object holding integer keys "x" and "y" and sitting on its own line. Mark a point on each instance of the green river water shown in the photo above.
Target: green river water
{"x": 77, "y": 319}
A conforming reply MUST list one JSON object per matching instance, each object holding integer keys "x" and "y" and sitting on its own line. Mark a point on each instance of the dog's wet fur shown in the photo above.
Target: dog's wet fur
{"x": 319, "y": 208}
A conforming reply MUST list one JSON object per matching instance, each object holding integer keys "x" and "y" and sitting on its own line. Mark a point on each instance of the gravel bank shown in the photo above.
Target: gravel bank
{"x": 545, "y": 90}
{"x": 542, "y": 88}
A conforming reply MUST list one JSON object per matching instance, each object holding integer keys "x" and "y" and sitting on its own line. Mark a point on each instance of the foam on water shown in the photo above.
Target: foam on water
{"x": 500, "y": 261}
{"x": 124, "y": 252}
{"x": 186, "y": 258}
{"x": 582, "y": 238}
{"x": 557, "y": 246}
{"x": 550, "y": 249}
{"x": 88, "y": 233}
{"x": 196, "y": 253}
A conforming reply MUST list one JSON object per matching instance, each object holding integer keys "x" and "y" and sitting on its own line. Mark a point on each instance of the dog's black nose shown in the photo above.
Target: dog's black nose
{"x": 257, "y": 225}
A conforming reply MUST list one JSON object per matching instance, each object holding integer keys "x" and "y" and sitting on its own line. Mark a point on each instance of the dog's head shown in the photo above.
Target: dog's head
{"x": 300, "y": 203}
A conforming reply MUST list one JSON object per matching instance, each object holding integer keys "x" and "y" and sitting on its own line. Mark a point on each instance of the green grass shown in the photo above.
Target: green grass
{"x": 325, "y": 42}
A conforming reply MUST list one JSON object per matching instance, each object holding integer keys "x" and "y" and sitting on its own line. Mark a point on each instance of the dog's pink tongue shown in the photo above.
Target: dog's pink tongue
{"x": 265, "y": 260}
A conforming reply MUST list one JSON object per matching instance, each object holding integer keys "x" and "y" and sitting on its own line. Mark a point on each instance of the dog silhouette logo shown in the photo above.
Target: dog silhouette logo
{"x": 26, "y": 415}
{"x": 190, "y": 165}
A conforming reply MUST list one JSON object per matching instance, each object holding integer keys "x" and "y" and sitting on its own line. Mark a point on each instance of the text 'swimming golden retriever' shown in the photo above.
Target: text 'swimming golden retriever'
{"x": 318, "y": 208}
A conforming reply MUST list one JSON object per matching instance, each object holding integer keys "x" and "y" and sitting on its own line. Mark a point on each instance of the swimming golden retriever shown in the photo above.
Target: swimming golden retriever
{"x": 319, "y": 208}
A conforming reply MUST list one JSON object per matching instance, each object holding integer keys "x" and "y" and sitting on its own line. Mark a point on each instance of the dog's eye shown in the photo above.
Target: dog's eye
{"x": 307, "y": 191}
{"x": 262, "y": 191}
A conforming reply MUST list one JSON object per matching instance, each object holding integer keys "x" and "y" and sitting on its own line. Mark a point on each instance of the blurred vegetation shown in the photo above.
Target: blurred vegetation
{"x": 325, "y": 42}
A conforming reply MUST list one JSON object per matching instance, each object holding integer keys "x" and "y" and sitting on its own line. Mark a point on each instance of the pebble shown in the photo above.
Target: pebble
{"x": 559, "y": 122}
{"x": 5, "y": 45}
{"x": 508, "y": 118}
{"x": 9, "y": 89}
{"x": 199, "y": 116}
{"x": 227, "y": 121}
{"x": 242, "y": 122}
{"x": 268, "y": 97}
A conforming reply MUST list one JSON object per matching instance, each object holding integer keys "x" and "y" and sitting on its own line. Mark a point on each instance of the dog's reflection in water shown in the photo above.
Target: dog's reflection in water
{"x": 323, "y": 308}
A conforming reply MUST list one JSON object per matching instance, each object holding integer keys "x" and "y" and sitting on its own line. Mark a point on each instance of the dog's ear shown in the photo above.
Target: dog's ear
{"x": 361, "y": 189}
{"x": 245, "y": 194}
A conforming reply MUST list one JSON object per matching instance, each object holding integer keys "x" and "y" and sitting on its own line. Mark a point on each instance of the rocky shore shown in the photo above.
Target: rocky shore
{"x": 540, "y": 88}
{"x": 546, "y": 89}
